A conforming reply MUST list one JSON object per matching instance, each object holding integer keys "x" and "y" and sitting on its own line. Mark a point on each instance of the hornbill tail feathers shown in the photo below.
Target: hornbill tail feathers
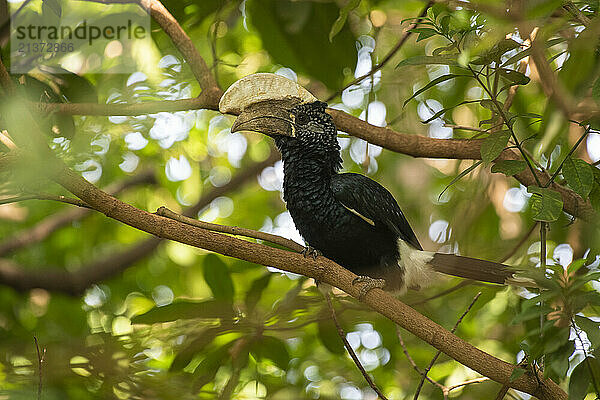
{"x": 476, "y": 269}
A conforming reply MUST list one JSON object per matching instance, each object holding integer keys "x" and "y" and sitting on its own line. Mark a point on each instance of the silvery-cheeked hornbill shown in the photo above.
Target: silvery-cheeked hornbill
{"x": 348, "y": 217}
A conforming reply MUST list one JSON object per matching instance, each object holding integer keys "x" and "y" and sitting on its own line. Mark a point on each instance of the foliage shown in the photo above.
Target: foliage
{"x": 182, "y": 323}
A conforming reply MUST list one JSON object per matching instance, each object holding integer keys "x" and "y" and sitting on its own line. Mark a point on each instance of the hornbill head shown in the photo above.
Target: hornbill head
{"x": 280, "y": 108}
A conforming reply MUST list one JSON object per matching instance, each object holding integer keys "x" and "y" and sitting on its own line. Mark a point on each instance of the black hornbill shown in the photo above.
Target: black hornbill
{"x": 347, "y": 217}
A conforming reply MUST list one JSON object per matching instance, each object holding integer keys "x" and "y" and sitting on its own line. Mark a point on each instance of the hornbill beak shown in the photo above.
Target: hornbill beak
{"x": 263, "y": 102}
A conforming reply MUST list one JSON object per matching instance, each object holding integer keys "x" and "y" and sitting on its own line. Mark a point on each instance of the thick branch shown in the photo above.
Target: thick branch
{"x": 413, "y": 145}
{"x": 205, "y": 100}
{"x": 469, "y": 149}
{"x": 321, "y": 269}
{"x": 232, "y": 230}
{"x": 183, "y": 43}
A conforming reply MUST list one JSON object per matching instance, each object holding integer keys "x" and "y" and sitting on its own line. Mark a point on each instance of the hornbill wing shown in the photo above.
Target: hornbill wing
{"x": 373, "y": 203}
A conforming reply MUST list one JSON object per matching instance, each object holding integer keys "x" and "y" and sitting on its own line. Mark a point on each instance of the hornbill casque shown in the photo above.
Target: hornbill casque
{"x": 347, "y": 217}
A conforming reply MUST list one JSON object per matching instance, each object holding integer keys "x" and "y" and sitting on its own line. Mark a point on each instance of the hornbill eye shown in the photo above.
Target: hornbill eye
{"x": 302, "y": 119}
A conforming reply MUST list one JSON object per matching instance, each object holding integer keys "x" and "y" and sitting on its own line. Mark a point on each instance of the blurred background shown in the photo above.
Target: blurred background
{"x": 175, "y": 322}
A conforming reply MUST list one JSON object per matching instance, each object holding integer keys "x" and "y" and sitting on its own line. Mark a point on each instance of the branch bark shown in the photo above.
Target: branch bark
{"x": 321, "y": 269}
{"x": 183, "y": 43}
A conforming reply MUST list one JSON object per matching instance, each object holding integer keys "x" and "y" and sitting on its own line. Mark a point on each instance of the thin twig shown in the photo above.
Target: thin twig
{"x": 40, "y": 356}
{"x": 388, "y": 56}
{"x": 586, "y": 360}
{"x": 434, "y": 359}
{"x": 520, "y": 243}
{"x": 353, "y": 355}
{"x": 44, "y": 196}
{"x": 465, "y": 383}
{"x": 460, "y": 285}
{"x": 413, "y": 363}
{"x": 555, "y": 174}
{"x": 502, "y": 114}
{"x": 576, "y": 13}
{"x": 233, "y": 230}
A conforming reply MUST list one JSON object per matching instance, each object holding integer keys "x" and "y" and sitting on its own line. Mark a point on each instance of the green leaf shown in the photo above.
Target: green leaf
{"x": 434, "y": 82}
{"x": 595, "y": 192}
{"x": 595, "y": 197}
{"x": 296, "y": 34}
{"x": 424, "y": 33}
{"x": 255, "y": 292}
{"x": 591, "y": 328}
{"x": 509, "y": 167}
{"x": 489, "y": 104}
{"x": 76, "y": 88}
{"x": 496, "y": 52}
{"x": 493, "y": 145}
{"x": 443, "y": 111}
{"x": 516, "y": 77}
{"x": 53, "y": 5}
{"x": 546, "y": 204}
{"x": 459, "y": 176}
{"x": 207, "y": 369}
{"x": 429, "y": 60}
{"x": 187, "y": 353}
{"x": 577, "y": 70}
{"x": 272, "y": 349}
{"x": 328, "y": 335}
{"x": 517, "y": 372}
{"x": 216, "y": 275}
{"x": 525, "y": 53}
{"x": 579, "y": 382}
{"x": 185, "y": 309}
{"x": 341, "y": 19}
{"x": 575, "y": 266}
{"x": 579, "y": 176}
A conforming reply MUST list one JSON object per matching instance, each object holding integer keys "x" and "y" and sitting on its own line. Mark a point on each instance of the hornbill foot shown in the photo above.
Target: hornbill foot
{"x": 369, "y": 284}
{"x": 311, "y": 251}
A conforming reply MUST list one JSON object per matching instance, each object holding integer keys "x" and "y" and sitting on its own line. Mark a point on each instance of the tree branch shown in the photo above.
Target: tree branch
{"x": 321, "y": 269}
{"x": 44, "y": 196}
{"x": 233, "y": 230}
{"x": 413, "y": 145}
{"x": 462, "y": 149}
{"x": 184, "y": 44}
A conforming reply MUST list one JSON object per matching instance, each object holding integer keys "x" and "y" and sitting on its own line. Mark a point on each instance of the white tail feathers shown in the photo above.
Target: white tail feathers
{"x": 415, "y": 263}
{"x": 420, "y": 268}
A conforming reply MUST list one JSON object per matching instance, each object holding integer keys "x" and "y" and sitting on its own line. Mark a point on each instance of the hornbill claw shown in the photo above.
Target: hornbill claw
{"x": 311, "y": 251}
{"x": 369, "y": 284}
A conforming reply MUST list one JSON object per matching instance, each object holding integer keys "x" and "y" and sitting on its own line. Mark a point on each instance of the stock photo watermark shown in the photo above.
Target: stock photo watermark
{"x": 77, "y": 35}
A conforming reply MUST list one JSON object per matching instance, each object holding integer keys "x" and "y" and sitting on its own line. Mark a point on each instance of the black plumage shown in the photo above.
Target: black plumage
{"x": 349, "y": 217}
